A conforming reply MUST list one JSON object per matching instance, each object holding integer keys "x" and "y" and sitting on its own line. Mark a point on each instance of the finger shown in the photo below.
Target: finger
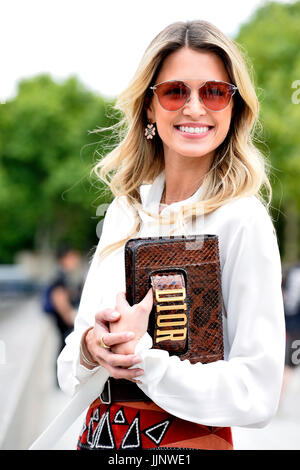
{"x": 147, "y": 302}
{"x": 136, "y": 381}
{"x": 129, "y": 374}
{"x": 122, "y": 360}
{"x": 117, "y": 359}
{"x": 112, "y": 339}
{"x": 106, "y": 315}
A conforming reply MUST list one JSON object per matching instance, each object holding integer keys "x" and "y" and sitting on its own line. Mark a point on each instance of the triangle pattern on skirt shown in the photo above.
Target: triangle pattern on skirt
{"x": 132, "y": 439}
{"x": 157, "y": 432}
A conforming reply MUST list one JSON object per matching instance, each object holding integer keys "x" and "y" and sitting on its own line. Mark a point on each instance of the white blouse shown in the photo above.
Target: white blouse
{"x": 244, "y": 388}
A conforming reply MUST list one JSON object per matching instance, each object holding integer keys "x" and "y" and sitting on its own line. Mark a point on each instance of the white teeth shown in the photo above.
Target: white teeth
{"x": 193, "y": 130}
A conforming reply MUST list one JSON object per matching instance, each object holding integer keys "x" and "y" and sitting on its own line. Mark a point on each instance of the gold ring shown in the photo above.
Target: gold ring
{"x": 103, "y": 344}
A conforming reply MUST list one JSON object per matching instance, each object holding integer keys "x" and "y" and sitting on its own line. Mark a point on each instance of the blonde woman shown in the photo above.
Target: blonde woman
{"x": 186, "y": 149}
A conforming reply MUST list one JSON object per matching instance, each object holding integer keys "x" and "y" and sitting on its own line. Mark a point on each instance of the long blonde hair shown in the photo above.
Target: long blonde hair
{"x": 238, "y": 170}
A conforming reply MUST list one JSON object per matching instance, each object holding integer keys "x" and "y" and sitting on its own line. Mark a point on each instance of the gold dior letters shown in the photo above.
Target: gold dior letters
{"x": 170, "y": 319}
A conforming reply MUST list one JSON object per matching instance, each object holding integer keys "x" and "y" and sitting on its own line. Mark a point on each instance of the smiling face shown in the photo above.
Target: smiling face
{"x": 173, "y": 127}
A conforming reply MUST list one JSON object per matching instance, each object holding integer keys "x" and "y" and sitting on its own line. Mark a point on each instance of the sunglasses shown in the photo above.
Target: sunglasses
{"x": 175, "y": 94}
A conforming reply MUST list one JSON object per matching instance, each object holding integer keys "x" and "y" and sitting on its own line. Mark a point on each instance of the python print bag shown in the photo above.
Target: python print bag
{"x": 184, "y": 273}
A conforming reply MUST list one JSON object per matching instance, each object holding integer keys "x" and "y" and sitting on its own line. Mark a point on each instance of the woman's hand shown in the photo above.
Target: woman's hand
{"x": 133, "y": 319}
{"x": 116, "y": 364}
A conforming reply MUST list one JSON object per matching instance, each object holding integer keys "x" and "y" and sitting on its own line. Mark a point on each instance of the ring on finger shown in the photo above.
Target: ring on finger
{"x": 103, "y": 344}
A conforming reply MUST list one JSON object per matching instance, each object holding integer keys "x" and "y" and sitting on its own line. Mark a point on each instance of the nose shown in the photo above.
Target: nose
{"x": 194, "y": 107}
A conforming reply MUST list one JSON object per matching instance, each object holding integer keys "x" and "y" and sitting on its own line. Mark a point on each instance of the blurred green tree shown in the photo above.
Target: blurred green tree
{"x": 272, "y": 41}
{"x": 46, "y": 156}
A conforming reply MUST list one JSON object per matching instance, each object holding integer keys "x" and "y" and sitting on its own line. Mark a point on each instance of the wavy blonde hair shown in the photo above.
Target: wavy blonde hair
{"x": 238, "y": 169}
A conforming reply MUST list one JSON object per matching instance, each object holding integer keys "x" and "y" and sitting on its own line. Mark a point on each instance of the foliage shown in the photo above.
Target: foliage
{"x": 46, "y": 157}
{"x": 272, "y": 42}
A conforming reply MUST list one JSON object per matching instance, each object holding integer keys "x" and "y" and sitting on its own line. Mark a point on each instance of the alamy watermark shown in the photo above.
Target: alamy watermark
{"x": 295, "y": 358}
{"x": 296, "y": 94}
{"x": 100, "y": 212}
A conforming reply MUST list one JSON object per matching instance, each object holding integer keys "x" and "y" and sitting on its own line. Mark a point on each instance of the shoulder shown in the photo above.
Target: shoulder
{"x": 245, "y": 212}
{"x": 59, "y": 279}
{"x": 117, "y": 221}
{"x": 244, "y": 224}
{"x": 118, "y": 207}
{"x": 244, "y": 207}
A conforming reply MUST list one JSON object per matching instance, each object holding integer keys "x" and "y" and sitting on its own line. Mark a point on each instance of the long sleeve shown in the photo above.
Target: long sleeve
{"x": 71, "y": 374}
{"x": 244, "y": 389}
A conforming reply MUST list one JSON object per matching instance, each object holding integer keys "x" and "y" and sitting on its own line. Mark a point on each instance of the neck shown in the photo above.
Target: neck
{"x": 168, "y": 201}
{"x": 183, "y": 175}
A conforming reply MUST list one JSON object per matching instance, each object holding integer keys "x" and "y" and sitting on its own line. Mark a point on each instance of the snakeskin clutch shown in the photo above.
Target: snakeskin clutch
{"x": 184, "y": 273}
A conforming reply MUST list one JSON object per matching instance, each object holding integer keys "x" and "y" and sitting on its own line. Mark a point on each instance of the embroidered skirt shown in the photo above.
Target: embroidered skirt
{"x": 141, "y": 425}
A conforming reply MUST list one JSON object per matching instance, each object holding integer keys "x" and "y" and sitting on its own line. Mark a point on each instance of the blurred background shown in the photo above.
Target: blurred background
{"x": 62, "y": 65}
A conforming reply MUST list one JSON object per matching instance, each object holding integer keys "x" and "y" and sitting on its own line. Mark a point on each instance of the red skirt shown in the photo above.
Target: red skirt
{"x": 141, "y": 425}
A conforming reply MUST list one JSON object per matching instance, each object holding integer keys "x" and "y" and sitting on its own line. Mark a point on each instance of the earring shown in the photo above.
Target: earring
{"x": 150, "y": 131}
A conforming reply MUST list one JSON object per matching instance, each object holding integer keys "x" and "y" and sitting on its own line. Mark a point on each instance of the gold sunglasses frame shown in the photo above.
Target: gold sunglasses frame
{"x": 233, "y": 89}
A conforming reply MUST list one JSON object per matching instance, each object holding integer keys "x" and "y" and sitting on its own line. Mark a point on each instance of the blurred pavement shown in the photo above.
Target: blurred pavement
{"x": 283, "y": 432}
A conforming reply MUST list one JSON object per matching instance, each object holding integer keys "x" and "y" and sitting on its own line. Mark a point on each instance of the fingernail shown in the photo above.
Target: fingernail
{"x": 114, "y": 314}
{"x": 139, "y": 373}
{"x": 130, "y": 335}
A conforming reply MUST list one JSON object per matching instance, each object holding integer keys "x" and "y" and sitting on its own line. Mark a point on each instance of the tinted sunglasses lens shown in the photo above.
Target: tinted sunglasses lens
{"x": 216, "y": 96}
{"x": 172, "y": 95}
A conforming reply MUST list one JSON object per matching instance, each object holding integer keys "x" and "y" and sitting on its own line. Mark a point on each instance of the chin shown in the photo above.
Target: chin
{"x": 194, "y": 153}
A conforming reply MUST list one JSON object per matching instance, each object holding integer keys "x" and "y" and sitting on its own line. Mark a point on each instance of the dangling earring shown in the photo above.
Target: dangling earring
{"x": 150, "y": 131}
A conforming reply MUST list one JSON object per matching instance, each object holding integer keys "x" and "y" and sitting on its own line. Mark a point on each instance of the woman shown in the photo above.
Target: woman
{"x": 186, "y": 149}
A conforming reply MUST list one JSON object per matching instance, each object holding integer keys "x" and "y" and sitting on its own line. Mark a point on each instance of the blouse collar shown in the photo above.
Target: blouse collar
{"x": 151, "y": 196}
